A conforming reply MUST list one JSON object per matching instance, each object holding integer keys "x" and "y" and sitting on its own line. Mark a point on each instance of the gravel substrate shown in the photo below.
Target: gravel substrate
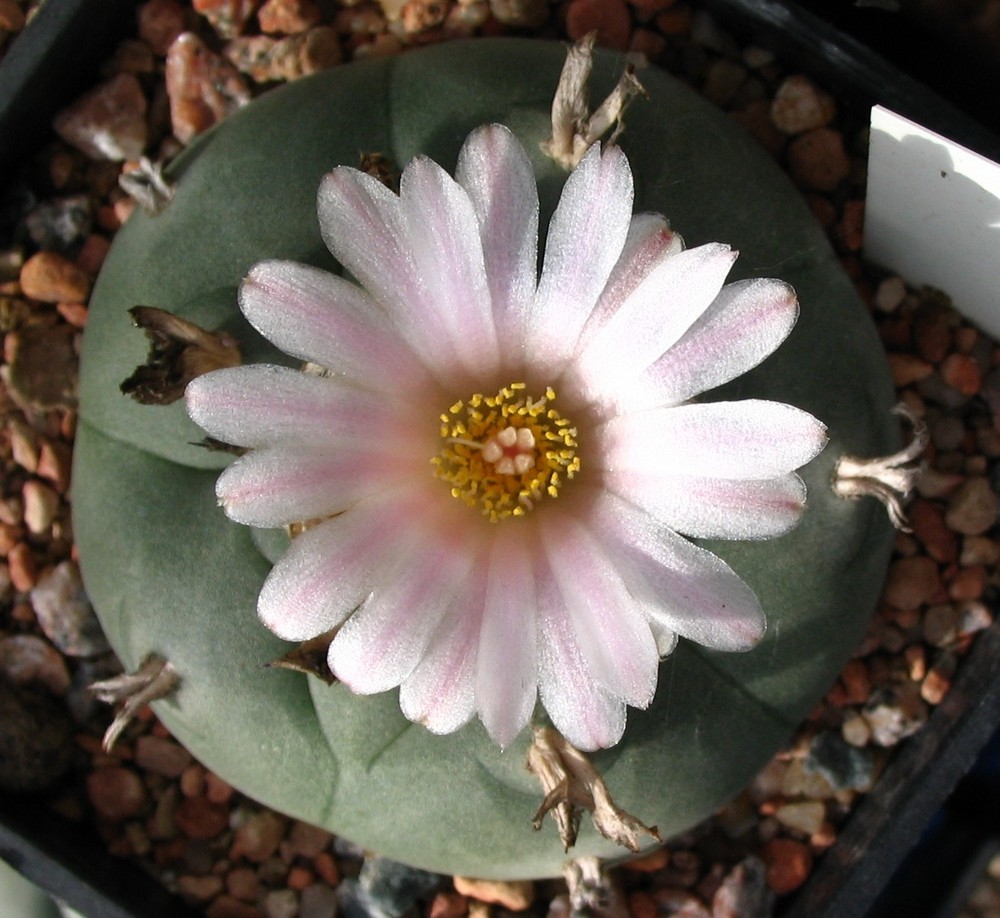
{"x": 187, "y": 67}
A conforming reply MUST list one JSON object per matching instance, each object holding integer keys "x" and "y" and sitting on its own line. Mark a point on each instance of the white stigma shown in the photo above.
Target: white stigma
{"x": 511, "y": 450}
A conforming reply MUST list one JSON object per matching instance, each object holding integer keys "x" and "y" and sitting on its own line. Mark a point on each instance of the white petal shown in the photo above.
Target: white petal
{"x": 382, "y": 643}
{"x": 715, "y": 507}
{"x": 286, "y": 484}
{"x": 448, "y": 253}
{"x": 365, "y": 227}
{"x": 328, "y": 570}
{"x": 660, "y": 309}
{"x": 609, "y": 629}
{"x": 586, "y": 236}
{"x": 746, "y": 439}
{"x": 316, "y": 316}
{"x": 506, "y": 678}
{"x": 259, "y": 404}
{"x": 745, "y": 324}
{"x": 440, "y": 692}
{"x": 683, "y": 588}
{"x": 495, "y": 172}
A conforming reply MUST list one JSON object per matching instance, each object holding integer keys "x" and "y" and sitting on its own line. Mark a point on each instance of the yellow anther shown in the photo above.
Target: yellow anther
{"x": 490, "y": 457}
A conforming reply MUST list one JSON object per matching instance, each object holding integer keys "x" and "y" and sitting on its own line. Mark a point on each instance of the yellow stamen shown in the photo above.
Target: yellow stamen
{"x": 502, "y": 453}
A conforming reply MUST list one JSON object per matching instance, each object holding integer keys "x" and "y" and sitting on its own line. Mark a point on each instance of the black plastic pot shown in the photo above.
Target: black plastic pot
{"x": 60, "y": 52}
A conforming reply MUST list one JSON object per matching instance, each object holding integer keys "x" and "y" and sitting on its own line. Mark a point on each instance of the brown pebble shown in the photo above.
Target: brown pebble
{"x": 940, "y": 625}
{"x": 243, "y": 884}
{"x": 932, "y": 323}
{"x": 258, "y": 836}
{"x": 805, "y": 816}
{"x": 788, "y": 864}
{"x": 41, "y": 504}
{"x": 27, "y": 659}
{"x": 916, "y": 662}
{"x": 962, "y": 374}
{"x": 448, "y": 904}
{"x": 938, "y": 680}
{"x": 50, "y": 278}
{"x": 199, "y": 889}
{"x": 161, "y": 756}
{"x": 972, "y": 509}
{"x": 109, "y": 122}
{"x": 609, "y": 18}
{"x": 642, "y": 905}
{"x": 968, "y": 583}
{"x": 676, "y": 20}
{"x": 817, "y": 160}
{"x": 516, "y": 895}
{"x": 160, "y": 22}
{"x": 288, "y": 17}
{"x": 911, "y": 582}
{"x": 326, "y": 867}
{"x": 91, "y": 256}
{"x": 193, "y": 780}
{"x": 217, "y": 790}
{"x": 855, "y": 730}
{"x": 907, "y": 369}
{"x": 198, "y": 818}
{"x": 307, "y": 840}
{"x": 800, "y": 106}
{"x": 228, "y": 907}
{"x": 857, "y": 685}
{"x": 890, "y": 294}
{"x": 228, "y": 17}
{"x": 116, "y": 793}
{"x": 21, "y": 565}
{"x": 36, "y": 746}
{"x": 521, "y": 14}
{"x": 656, "y": 859}
{"x": 202, "y": 87}
{"x": 299, "y": 878}
{"x": 927, "y": 521}
{"x": 11, "y": 16}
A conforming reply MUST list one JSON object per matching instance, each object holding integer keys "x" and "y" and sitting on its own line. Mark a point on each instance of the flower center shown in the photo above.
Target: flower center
{"x": 502, "y": 453}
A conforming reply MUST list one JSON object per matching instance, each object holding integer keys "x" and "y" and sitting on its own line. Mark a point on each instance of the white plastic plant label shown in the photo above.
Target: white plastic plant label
{"x": 933, "y": 215}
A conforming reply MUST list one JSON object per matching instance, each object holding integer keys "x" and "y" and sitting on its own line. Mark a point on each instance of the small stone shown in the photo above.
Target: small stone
{"x": 318, "y": 901}
{"x": 448, "y": 904}
{"x": 160, "y": 22}
{"x": 12, "y": 17}
{"x": 800, "y": 106}
{"x": 64, "y": 612}
{"x": 161, "y": 756}
{"x": 197, "y": 818}
{"x": 227, "y": 17}
{"x": 199, "y": 889}
{"x": 116, "y": 793}
{"x": 722, "y": 81}
{"x": 41, "y": 504}
{"x": 609, "y": 18}
{"x": 228, "y": 907}
{"x": 927, "y": 521}
{"x": 516, "y": 895}
{"x": 27, "y": 659}
{"x": 962, "y": 373}
{"x": 642, "y": 905}
{"x": 55, "y": 461}
{"x": 932, "y": 322}
{"x": 266, "y": 59}
{"x": 92, "y": 253}
{"x": 857, "y": 684}
{"x": 21, "y": 567}
{"x": 657, "y": 859}
{"x": 326, "y": 868}
{"x": 756, "y": 119}
{"x": 258, "y": 837}
{"x": 972, "y": 509}
{"x": 281, "y": 903}
{"x": 889, "y": 294}
{"x": 842, "y": 765}
{"x": 940, "y": 625}
{"x": 217, "y": 790}
{"x": 306, "y": 840}
{"x": 973, "y": 617}
{"x": 911, "y": 582}
{"x": 907, "y": 369}
{"x": 855, "y": 731}
{"x": 817, "y": 159}
{"x": 947, "y": 433}
{"x": 968, "y": 584}
{"x": 23, "y": 444}
{"x": 938, "y": 680}
{"x": 788, "y": 864}
{"x": 288, "y": 17}
{"x": 934, "y": 483}
{"x": 895, "y": 713}
{"x": 51, "y": 278}
{"x": 520, "y": 14}
{"x": 109, "y": 122}
{"x": 36, "y": 739}
{"x": 203, "y": 88}
{"x": 61, "y": 225}
{"x": 979, "y": 550}
{"x": 806, "y": 817}
{"x": 243, "y": 884}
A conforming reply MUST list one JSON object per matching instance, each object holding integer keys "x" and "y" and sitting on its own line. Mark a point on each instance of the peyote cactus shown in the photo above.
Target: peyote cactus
{"x": 171, "y": 576}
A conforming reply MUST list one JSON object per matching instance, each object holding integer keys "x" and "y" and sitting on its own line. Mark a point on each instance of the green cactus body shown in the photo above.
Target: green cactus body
{"x": 169, "y": 574}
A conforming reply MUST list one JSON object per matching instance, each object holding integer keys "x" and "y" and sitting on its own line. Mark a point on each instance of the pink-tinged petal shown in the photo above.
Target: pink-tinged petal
{"x": 364, "y": 225}
{"x": 715, "y": 508}
{"x": 319, "y": 317}
{"x": 650, "y": 241}
{"x": 279, "y": 485}
{"x": 448, "y": 253}
{"x": 610, "y": 631}
{"x": 382, "y": 643}
{"x": 586, "y": 236}
{"x": 589, "y": 717}
{"x": 441, "y": 692}
{"x": 746, "y": 439}
{"x": 506, "y": 677}
{"x": 328, "y": 570}
{"x": 682, "y": 587}
{"x": 660, "y": 309}
{"x": 495, "y": 172}
{"x": 260, "y": 404}
{"x": 745, "y": 324}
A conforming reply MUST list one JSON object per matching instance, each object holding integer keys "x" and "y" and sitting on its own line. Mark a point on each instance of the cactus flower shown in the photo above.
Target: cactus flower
{"x": 498, "y": 470}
